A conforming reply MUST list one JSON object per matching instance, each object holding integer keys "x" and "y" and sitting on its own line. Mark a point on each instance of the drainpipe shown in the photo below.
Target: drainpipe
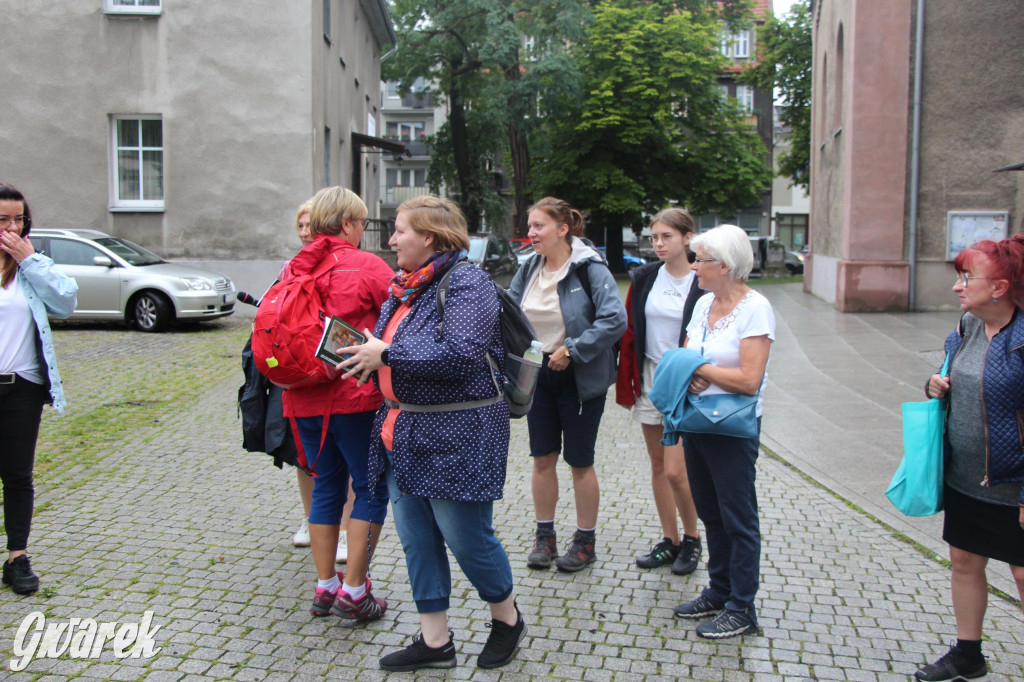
{"x": 915, "y": 153}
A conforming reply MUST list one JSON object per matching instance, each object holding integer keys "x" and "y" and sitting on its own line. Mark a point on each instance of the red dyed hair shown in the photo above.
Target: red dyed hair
{"x": 1006, "y": 258}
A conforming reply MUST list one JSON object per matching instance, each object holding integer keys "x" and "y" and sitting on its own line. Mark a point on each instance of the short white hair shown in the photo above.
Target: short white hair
{"x": 729, "y": 245}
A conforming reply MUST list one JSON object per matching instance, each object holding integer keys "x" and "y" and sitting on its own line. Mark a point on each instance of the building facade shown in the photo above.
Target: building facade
{"x": 870, "y": 249}
{"x": 741, "y": 50}
{"x": 194, "y": 128}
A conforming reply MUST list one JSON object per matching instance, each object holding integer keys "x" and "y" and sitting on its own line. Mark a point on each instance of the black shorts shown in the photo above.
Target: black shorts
{"x": 557, "y": 410}
{"x": 983, "y": 528}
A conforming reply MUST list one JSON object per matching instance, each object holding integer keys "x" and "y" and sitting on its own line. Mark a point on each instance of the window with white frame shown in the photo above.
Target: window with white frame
{"x": 736, "y": 45}
{"x": 406, "y": 177}
{"x": 132, "y": 6}
{"x": 406, "y": 131}
{"x": 745, "y": 97}
{"x": 138, "y": 146}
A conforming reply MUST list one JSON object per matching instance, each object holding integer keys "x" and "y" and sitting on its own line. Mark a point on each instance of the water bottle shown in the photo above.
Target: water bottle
{"x": 526, "y": 377}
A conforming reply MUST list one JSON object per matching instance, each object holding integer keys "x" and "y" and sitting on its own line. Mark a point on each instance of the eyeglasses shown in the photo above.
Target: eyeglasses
{"x": 705, "y": 260}
{"x": 6, "y": 220}
{"x": 964, "y": 280}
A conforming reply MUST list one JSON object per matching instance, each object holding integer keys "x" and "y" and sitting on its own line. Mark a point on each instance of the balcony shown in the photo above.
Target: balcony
{"x": 396, "y": 195}
{"x": 418, "y": 100}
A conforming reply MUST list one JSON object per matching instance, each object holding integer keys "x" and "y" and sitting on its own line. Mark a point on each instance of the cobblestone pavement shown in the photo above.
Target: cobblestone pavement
{"x": 146, "y": 501}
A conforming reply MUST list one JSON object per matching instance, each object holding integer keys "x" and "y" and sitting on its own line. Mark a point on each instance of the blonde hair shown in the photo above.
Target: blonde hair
{"x": 563, "y": 214}
{"x": 330, "y": 206}
{"x": 304, "y": 208}
{"x": 440, "y": 218}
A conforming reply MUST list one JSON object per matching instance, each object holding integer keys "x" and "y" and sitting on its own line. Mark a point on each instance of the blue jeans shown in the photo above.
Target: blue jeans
{"x": 426, "y": 525}
{"x": 345, "y": 453}
{"x": 722, "y": 473}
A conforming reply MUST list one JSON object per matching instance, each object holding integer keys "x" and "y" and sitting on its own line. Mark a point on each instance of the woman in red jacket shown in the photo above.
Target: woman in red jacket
{"x": 354, "y": 291}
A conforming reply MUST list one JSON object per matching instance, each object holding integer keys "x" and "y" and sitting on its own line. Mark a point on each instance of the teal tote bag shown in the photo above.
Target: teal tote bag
{"x": 916, "y": 487}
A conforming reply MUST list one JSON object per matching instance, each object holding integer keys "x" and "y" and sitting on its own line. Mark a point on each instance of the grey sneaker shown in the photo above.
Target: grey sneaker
{"x": 545, "y": 549}
{"x": 727, "y": 623}
{"x": 688, "y": 557}
{"x": 578, "y": 555}
{"x": 953, "y": 666}
{"x": 701, "y": 607}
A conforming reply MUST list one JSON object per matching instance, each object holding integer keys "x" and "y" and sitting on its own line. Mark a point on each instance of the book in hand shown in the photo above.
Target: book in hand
{"x": 338, "y": 334}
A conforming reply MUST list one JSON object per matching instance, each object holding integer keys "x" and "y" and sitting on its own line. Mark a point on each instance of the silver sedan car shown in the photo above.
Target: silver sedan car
{"x": 119, "y": 280}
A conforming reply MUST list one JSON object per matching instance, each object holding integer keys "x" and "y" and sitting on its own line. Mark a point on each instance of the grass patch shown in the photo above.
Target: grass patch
{"x": 125, "y": 394}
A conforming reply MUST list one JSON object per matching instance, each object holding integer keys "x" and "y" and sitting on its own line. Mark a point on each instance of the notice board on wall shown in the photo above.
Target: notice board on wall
{"x": 964, "y": 228}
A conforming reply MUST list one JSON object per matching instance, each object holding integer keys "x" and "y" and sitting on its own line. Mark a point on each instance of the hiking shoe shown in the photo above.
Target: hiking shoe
{"x": 701, "y": 607}
{"x": 361, "y": 610}
{"x": 578, "y": 555}
{"x": 727, "y": 623}
{"x": 664, "y": 553}
{"x": 953, "y": 666}
{"x": 418, "y": 655}
{"x": 341, "y": 555}
{"x": 301, "y": 538}
{"x": 688, "y": 557}
{"x": 323, "y": 600}
{"x": 19, "y": 575}
{"x": 502, "y": 643}
{"x": 545, "y": 549}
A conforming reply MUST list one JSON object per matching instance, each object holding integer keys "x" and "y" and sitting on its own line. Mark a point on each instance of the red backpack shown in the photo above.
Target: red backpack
{"x": 288, "y": 328}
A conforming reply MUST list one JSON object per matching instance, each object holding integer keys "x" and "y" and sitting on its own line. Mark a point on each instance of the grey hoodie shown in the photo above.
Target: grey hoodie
{"x": 593, "y": 326}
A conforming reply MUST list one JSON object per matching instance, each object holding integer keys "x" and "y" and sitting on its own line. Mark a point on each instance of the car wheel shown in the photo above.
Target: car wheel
{"x": 151, "y": 312}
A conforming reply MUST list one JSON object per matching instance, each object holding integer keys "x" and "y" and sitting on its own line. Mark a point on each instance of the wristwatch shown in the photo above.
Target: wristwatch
{"x": 384, "y": 355}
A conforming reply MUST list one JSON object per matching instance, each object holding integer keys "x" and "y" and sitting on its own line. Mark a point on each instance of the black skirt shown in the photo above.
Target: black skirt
{"x": 983, "y": 528}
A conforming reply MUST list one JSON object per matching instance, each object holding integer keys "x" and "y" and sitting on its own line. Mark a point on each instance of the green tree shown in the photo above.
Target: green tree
{"x": 652, "y": 126}
{"x": 784, "y": 62}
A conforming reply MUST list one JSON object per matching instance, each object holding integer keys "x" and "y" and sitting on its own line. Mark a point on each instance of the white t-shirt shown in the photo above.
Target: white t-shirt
{"x": 544, "y": 310}
{"x": 18, "y": 334}
{"x": 752, "y": 316}
{"x": 663, "y": 313}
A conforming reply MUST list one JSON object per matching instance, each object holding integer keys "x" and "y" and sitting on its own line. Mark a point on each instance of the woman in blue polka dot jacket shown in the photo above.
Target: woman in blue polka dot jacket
{"x": 441, "y": 437}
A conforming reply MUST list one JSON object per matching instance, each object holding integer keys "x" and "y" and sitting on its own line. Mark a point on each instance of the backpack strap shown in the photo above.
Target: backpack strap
{"x": 439, "y": 300}
{"x": 583, "y": 275}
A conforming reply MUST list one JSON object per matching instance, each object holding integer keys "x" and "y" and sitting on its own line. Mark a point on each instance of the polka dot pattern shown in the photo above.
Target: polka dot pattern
{"x": 460, "y": 454}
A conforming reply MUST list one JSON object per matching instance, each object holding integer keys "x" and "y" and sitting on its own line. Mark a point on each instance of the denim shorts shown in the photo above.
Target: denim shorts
{"x": 557, "y": 410}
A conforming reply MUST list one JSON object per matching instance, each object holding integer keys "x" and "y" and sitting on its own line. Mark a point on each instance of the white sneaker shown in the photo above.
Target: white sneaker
{"x": 301, "y": 538}
{"x": 342, "y": 555}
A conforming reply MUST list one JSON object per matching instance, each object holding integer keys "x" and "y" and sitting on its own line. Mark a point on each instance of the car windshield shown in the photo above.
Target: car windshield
{"x": 133, "y": 253}
{"x": 476, "y": 248}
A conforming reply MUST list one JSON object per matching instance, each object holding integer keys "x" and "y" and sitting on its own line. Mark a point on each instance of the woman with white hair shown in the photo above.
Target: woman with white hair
{"x": 733, "y": 327}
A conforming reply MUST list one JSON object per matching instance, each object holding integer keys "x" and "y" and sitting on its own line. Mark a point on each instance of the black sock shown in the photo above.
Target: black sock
{"x": 971, "y": 649}
{"x": 591, "y": 534}
{"x": 546, "y": 525}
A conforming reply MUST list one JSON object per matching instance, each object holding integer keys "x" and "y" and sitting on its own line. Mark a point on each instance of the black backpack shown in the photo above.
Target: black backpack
{"x": 517, "y": 335}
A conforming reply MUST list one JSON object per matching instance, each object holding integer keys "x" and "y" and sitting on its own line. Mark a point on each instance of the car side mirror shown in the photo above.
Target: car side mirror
{"x": 102, "y": 261}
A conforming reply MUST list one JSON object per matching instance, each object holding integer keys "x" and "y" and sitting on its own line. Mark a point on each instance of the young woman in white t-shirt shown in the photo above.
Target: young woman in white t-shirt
{"x": 659, "y": 305}
{"x": 733, "y": 327}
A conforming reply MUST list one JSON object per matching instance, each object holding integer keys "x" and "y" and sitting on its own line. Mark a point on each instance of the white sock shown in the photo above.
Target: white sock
{"x": 354, "y": 592}
{"x": 331, "y": 584}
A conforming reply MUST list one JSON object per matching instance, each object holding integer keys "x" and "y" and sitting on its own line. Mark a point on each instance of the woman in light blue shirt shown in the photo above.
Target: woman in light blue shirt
{"x": 30, "y": 288}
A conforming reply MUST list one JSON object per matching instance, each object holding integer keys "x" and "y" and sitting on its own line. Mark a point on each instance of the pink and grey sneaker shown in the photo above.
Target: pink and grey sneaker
{"x": 362, "y": 610}
{"x": 323, "y": 600}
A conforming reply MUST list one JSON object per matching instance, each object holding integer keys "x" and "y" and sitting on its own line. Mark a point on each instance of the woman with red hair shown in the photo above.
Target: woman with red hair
{"x": 984, "y": 494}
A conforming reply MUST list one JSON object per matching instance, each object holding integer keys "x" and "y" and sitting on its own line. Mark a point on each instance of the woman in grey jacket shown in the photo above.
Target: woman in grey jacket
{"x": 573, "y": 302}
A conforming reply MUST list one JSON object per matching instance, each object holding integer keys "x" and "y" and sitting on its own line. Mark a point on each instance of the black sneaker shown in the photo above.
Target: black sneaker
{"x": 953, "y": 666}
{"x": 19, "y": 575}
{"x": 418, "y": 655}
{"x": 502, "y": 643}
{"x": 579, "y": 554}
{"x": 701, "y": 607}
{"x": 664, "y": 553}
{"x": 545, "y": 549}
{"x": 727, "y": 623}
{"x": 688, "y": 557}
